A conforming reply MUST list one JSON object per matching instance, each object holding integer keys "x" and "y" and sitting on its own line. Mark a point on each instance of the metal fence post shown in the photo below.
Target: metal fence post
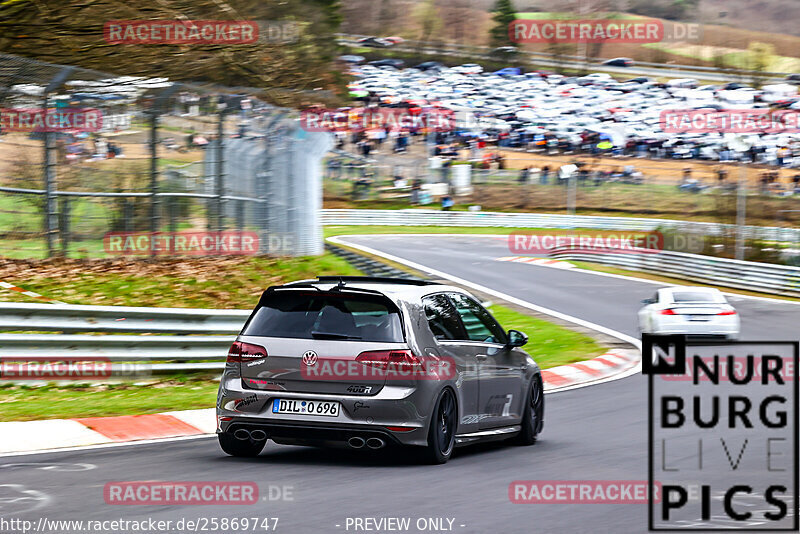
{"x": 154, "y": 204}
{"x": 266, "y": 194}
{"x": 50, "y": 213}
{"x": 127, "y": 214}
{"x": 741, "y": 207}
{"x": 63, "y": 225}
{"x": 172, "y": 208}
{"x": 241, "y": 205}
{"x": 219, "y": 174}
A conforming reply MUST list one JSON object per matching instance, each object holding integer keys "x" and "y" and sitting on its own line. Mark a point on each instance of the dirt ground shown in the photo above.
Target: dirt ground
{"x": 661, "y": 171}
{"x": 656, "y": 171}
{"x": 16, "y": 148}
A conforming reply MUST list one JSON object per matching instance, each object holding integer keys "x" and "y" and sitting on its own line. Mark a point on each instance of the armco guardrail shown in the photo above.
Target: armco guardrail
{"x": 760, "y": 277}
{"x": 69, "y": 318}
{"x": 115, "y": 348}
{"x": 420, "y": 217}
{"x": 162, "y": 351}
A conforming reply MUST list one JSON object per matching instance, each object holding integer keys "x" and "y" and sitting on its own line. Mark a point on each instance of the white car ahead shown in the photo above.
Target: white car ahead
{"x": 694, "y": 311}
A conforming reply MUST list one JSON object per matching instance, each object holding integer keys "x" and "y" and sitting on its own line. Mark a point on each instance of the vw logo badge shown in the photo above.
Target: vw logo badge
{"x": 310, "y": 358}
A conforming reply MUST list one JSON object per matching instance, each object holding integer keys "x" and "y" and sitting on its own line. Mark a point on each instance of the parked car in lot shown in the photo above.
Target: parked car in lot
{"x": 594, "y": 78}
{"x": 693, "y": 311}
{"x": 429, "y": 65}
{"x": 375, "y": 42}
{"x": 682, "y": 83}
{"x": 505, "y": 51}
{"x": 396, "y": 63}
{"x": 619, "y": 62}
{"x": 349, "y": 58}
{"x": 371, "y": 362}
{"x": 734, "y": 86}
{"x": 508, "y": 71}
{"x": 468, "y": 68}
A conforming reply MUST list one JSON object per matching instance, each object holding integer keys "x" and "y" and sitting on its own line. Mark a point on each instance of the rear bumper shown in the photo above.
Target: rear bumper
{"x": 718, "y": 326}
{"x": 334, "y": 435}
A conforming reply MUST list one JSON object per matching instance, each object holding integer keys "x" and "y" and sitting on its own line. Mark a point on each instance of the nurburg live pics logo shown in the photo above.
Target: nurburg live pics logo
{"x": 722, "y": 417}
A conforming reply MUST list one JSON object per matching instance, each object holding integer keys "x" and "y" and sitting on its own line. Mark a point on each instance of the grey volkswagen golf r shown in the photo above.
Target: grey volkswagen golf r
{"x": 368, "y": 362}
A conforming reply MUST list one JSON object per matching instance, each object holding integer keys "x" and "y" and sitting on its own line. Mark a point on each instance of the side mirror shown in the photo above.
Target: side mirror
{"x": 648, "y": 301}
{"x": 516, "y": 338}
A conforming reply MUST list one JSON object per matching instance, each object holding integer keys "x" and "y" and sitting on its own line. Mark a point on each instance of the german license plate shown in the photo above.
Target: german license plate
{"x": 698, "y": 318}
{"x": 305, "y": 407}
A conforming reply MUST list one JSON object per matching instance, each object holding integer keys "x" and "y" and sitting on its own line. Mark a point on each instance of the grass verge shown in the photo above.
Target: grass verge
{"x": 549, "y": 344}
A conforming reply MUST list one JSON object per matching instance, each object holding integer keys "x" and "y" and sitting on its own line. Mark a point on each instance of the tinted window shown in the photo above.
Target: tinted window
{"x": 326, "y": 316}
{"x": 478, "y": 323}
{"x": 442, "y": 318}
{"x": 695, "y": 296}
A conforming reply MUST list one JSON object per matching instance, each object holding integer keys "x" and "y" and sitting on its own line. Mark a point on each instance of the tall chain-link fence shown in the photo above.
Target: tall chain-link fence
{"x": 93, "y": 164}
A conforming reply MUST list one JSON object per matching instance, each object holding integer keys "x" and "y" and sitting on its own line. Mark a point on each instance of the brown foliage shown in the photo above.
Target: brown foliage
{"x": 72, "y": 33}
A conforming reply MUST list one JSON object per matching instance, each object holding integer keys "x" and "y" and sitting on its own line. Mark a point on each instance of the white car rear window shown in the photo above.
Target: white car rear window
{"x": 697, "y": 296}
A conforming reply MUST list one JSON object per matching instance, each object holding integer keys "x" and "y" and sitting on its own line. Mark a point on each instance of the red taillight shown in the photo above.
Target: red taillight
{"x": 400, "y": 428}
{"x": 668, "y": 312}
{"x": 245, "y": 351}
{"x": 728, "y": 312}
{"x": 399, "y": 360}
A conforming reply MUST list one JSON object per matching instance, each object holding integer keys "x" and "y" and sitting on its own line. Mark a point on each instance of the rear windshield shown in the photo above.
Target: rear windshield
{"x": 695, "y": 296}
{"x": 326, "y": 316}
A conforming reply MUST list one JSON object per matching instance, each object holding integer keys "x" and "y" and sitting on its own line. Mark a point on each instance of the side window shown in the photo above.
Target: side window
{"x": 442, "y": 318}
{"x": 478, "y": 323}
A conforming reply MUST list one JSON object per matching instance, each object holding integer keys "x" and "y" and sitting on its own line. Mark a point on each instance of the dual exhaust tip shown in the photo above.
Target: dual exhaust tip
{"x": 357, "y": 442}
{"x": 243, "y": 434}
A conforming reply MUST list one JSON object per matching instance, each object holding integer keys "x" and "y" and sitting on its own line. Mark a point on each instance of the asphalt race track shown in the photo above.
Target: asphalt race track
{"x": 597, "y": 432}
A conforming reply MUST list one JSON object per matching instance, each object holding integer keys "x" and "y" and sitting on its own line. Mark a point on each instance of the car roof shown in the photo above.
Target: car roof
{"x": 394, "y": 288}
{"x": 692, "y": 288}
